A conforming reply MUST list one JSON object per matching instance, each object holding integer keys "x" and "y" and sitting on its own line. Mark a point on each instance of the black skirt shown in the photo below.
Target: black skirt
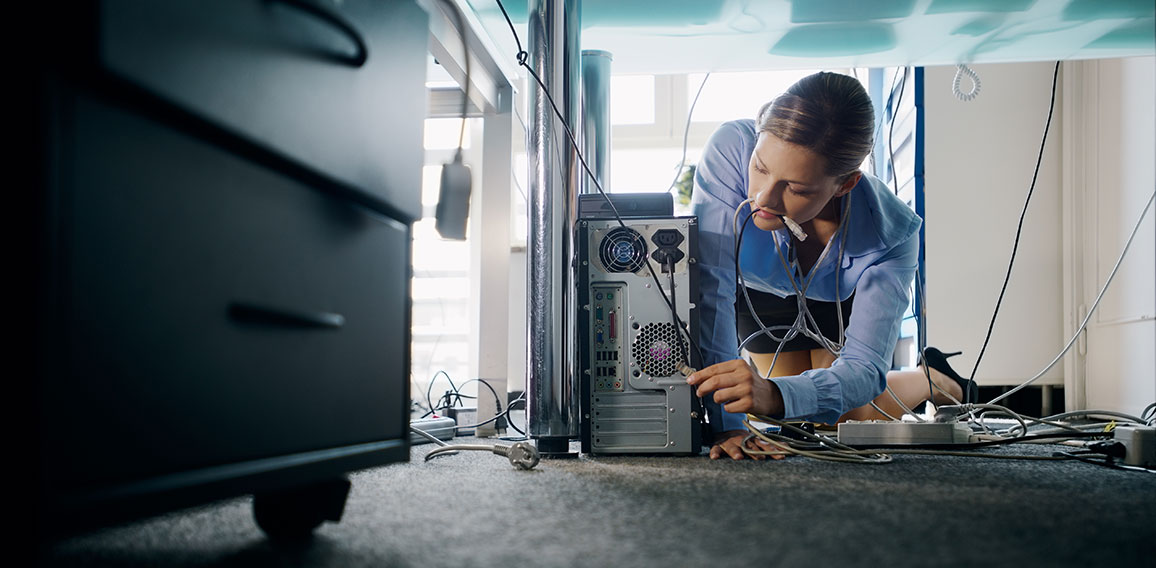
{"x": 776, "y": 311}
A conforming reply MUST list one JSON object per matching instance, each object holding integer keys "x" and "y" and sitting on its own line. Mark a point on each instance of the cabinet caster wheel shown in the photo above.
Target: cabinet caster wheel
{"x": 292, "y": 514}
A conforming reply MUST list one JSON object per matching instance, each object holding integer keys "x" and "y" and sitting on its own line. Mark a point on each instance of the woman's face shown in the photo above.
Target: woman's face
{"x": 787, "y": 179}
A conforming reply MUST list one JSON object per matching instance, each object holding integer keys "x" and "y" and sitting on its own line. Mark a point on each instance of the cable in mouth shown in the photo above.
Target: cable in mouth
{"x": 794, "y": 228}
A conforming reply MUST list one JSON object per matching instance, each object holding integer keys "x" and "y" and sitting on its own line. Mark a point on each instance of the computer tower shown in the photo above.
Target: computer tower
{"x": 635, "y": 351}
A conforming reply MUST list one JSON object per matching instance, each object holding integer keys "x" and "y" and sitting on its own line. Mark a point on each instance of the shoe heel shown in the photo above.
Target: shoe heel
{"x": 937, "y": 360}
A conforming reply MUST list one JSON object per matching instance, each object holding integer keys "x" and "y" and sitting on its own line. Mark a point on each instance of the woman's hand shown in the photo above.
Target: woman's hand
{"x": 738, "y": 388}
{"x": 730, "y": 443}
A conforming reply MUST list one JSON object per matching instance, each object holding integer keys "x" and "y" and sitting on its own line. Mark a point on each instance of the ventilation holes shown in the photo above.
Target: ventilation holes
{"x": 658, "y": 349}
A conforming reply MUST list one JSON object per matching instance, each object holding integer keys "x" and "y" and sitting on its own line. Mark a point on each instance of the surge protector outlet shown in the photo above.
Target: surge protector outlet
{"x": 1140, "y": 442}
{"x": 875, "y": 433}
{"x": 464, "y": 417}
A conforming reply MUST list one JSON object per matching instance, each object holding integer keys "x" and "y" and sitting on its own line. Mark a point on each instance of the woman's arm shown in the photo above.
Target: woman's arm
{"x": 856, "y": 377}
{"x": 882, "y": 294}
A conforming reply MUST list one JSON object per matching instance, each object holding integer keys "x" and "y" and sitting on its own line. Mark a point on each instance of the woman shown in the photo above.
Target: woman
{"x": 798, "y": 163}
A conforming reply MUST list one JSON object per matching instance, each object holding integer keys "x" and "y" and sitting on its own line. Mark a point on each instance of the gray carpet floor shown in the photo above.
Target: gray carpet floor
{"x": 474, "y": 509}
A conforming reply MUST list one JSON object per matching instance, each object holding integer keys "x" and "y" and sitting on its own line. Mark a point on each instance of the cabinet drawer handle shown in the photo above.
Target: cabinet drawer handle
{"x": 356, "y": 60}
{"x": 246, "y": 312}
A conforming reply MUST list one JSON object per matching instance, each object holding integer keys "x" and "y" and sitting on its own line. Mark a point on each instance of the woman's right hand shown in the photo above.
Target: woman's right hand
{"x": 736, "y": 387}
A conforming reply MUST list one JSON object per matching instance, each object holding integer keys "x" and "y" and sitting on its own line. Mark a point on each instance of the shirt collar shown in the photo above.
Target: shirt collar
{"x": 878, "y": 219}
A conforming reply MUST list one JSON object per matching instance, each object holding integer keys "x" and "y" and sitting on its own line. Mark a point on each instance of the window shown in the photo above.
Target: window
{"x": 650, "y": 115}
{"x": 728, "y": 96}
{"x": 440, "y": 289}
{"x": 632, "y": 99}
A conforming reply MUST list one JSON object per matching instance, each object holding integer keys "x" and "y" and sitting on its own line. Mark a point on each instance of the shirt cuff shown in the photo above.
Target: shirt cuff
{"x": 803, "y": 397}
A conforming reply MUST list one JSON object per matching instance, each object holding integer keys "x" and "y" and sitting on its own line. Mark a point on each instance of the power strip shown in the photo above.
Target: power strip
{"x": 441, "y": 428}
{"x": 876, "y": 433}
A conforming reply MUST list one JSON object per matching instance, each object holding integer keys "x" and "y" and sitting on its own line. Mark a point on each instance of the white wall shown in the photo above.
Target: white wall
{"x": 1110, "y": 147}
{"x": 517, "y": 350}
{"x": 980, "y": 157}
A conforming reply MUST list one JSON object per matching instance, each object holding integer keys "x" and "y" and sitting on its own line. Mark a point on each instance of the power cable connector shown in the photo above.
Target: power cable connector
{"x": 522, "y": 455}
{"x": 1110, "y": 448}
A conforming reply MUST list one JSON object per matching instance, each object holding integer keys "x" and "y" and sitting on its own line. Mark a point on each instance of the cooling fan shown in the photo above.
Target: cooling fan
{"x": 659, "y": 349}
{"x": 622, "y": 250}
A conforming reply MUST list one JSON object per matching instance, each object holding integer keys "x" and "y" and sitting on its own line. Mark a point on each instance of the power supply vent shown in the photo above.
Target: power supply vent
{"x": 622, "y": 250}
{"x": 658, "y": 349}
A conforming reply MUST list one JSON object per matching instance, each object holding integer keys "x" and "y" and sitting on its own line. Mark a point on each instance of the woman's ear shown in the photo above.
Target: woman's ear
{"x": 851, "y": 181}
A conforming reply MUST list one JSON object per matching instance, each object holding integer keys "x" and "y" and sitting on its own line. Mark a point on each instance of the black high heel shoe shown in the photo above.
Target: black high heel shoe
{"x": 937, "y": 360}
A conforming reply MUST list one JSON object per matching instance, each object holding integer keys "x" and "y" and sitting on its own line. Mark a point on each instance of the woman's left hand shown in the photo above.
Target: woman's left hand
{"x": 738, "y": 388}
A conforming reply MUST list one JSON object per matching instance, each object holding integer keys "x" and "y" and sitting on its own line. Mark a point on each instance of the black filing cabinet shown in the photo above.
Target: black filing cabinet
{"x": 223, "y": 194}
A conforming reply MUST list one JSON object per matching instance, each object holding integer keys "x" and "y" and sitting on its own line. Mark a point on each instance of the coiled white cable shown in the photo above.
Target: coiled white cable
{"x": 960, "y": 71}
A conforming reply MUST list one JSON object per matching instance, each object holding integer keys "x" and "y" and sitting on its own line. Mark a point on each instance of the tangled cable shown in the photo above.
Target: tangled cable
{"x": 810, "y": 445}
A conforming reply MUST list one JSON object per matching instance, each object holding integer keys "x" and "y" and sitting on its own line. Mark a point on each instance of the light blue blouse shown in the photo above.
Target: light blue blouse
{"x": 879, "y": 262}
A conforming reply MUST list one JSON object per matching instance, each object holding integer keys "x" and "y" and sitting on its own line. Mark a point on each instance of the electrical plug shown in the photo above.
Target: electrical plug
{"x": 522, "y": 455}
{"x": 1110, "y": 448}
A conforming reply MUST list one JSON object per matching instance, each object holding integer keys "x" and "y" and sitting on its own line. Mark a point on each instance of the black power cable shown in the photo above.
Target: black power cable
{"x": 454, "y": 397}
{"x": 429, "y": 389}
{"x": 522, "y": 57}
{"x": 1020, "y": 226}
